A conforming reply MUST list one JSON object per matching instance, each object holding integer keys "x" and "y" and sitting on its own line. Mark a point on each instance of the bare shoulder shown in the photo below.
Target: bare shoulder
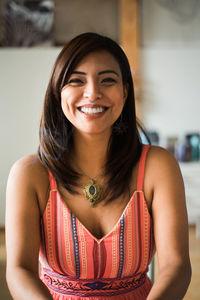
{"x": 28, "y": 173}
{"x": 30, "y": 169}
{"x": 164, "y": 179}
{"x": 160, "y": 154}
{"x": 160, "y": 162}
{"x": 162, "y": 174}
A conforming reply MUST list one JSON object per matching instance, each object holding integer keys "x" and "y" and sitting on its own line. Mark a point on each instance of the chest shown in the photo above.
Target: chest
{"x": 98, "y": 220}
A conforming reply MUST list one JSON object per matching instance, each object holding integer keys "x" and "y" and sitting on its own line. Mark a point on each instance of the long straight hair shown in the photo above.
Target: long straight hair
{"x": 56, "y": 131}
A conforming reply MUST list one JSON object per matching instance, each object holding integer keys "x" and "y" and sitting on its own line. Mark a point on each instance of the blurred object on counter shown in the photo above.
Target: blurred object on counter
{"x": 144, "y": 135}
{"x": 154, "y": 137}
{"x": 189, "y": 148}
{"x": 194, "y": 142}
{"x": 171, "y": 145}
{"x": 185, "y": 149}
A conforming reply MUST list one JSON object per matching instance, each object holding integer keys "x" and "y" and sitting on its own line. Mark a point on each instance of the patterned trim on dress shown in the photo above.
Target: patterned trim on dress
{"x": 121, "y": 248}
{"x": 75, "y": 245}
{"x": 91, "y": 287}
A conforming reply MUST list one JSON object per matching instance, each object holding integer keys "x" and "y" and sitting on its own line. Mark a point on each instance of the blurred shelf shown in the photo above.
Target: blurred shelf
{"x": 191, "y": 177}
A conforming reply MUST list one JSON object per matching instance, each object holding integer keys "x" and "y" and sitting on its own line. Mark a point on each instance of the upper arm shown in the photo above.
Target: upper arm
{"x": 168, "y": 208}
{"x": 22, "y": 217}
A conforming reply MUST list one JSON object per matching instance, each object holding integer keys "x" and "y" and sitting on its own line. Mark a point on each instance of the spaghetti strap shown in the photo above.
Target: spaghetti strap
{"x": 53, "y": 184}
{"x": 140, "y": 177}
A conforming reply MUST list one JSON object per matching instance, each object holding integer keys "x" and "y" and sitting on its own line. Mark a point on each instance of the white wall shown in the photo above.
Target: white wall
{"x": 171, "y": 68}
{"x": 24, "y": 75}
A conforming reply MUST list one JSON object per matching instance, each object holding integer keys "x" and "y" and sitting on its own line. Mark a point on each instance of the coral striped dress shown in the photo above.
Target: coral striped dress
{"x": 76, "y": 265}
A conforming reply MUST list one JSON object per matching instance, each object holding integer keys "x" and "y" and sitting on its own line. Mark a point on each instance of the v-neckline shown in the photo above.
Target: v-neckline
{"x": 114, "y": 226}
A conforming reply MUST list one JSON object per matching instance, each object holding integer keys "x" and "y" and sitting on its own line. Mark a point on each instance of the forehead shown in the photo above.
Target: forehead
{"x": 99, "y": 59}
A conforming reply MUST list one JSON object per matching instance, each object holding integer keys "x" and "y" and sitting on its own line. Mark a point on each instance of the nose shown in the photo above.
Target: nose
{"x": 92, "y": 91}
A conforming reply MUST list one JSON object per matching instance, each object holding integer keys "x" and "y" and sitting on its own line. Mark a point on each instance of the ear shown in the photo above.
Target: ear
{"x": 126, "y": 88}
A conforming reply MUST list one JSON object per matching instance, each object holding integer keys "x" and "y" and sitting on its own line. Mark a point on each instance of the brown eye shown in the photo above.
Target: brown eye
{"x": 75, "y": 81}
{"x": 108, "y": 80}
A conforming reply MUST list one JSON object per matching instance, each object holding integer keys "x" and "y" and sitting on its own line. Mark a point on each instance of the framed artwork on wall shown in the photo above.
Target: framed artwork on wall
{"x": 27, "y": 23}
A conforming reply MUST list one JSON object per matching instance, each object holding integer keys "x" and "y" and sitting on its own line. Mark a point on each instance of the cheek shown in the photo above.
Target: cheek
{"x": 120, "y": 94}
{"x": 65, "y": 102}
{"x": 68, "y": 107}
{"x": 63, "y": 105}
{"x": 65, "y": 108}
{"x": 119, "y": 99}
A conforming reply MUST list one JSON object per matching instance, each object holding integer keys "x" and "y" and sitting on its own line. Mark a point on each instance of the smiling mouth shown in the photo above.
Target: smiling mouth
{"x": 92, "y": 110}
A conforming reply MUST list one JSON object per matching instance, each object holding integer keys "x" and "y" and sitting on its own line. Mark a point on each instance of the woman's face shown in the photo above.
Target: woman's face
{"x": 94, "y": 95}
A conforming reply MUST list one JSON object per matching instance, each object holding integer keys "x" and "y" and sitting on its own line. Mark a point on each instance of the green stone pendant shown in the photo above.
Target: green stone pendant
{"x": 92, "y": 192}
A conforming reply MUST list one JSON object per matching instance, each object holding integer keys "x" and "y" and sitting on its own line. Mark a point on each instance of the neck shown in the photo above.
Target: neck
{"x": 90, "y": 151}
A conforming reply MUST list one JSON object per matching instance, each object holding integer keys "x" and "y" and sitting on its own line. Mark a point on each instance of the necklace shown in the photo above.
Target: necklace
{"x": 92, "y": 190}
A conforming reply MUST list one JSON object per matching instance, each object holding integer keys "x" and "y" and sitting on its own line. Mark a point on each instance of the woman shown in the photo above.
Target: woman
{"x": 94, "y": 203}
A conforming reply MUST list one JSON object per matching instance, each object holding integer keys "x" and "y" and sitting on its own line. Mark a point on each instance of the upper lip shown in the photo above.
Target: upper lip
{"x": 92, "y": 106}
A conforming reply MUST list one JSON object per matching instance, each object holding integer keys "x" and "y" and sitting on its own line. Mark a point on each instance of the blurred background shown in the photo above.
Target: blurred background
{"x": 162, "y": 41}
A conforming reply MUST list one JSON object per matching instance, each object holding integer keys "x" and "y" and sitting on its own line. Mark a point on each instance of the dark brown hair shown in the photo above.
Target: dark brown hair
{"x": 56, "y": 132}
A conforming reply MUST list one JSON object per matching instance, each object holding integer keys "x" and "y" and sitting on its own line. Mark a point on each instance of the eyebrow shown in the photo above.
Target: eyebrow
{"x": 108, "y": 71}
{"x": 100, "y": 73}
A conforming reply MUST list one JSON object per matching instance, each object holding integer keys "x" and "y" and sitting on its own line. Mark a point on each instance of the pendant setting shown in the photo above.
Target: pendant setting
{"x": 92, "y": 192}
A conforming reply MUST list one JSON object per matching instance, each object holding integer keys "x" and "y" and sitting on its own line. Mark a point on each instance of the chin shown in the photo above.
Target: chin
{"x": 95, "y": 131}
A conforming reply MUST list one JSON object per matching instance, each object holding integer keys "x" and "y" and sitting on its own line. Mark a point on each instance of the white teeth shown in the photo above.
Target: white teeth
{"x": 89, "y": 110}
